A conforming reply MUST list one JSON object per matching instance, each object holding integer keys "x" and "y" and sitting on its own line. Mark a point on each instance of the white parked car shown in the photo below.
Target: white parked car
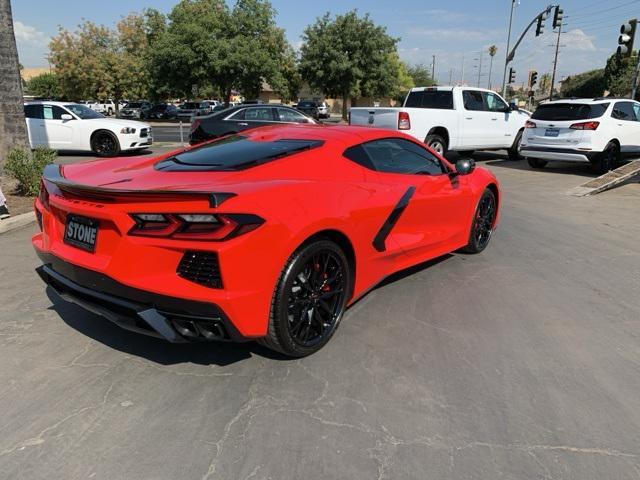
{"x": 106, "y": 107}
{"x": 451, "y": 118}
{"x": 323, "y": 110}
{"x": 71, "y": 126}
{"x": 602, "y": 131}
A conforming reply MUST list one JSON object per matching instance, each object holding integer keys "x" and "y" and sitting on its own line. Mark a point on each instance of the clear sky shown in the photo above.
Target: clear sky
{"x": 449, "y": 30}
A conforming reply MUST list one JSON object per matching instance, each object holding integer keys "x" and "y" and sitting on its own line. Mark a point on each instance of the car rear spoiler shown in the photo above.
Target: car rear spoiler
{"x": 53, "y": 175}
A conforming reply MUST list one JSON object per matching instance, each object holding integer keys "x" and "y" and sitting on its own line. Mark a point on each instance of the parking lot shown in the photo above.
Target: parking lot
{"x": 522, "y": 362}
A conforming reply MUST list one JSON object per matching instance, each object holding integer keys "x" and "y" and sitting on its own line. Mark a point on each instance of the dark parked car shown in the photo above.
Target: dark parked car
{"x": 163, "y": 110}
{"x": 243, "y": 117}
{"x": 310, "y": 108}
{"x": 136, "y": 110}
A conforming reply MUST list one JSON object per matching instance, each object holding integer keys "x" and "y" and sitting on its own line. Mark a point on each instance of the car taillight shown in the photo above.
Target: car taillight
{"x": 195, "y": 123}
{"x": 404, "y": 122}
{"x": 530, "y": 124}
{"x": 585, "y": 126}
{"x": 194, "y": 226}
{"x": 43, "y": 195}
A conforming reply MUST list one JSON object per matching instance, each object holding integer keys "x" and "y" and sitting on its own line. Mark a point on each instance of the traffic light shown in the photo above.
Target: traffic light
{"x": 625, "y": 40}
{"x": 512, "y": 75}
{"x": 533, "y": 78}
{"x": 557, "y": 17}
{"x": 542, "y": 19}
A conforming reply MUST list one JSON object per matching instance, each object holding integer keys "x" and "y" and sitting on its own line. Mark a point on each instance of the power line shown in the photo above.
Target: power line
{"x": 604, "y": 10}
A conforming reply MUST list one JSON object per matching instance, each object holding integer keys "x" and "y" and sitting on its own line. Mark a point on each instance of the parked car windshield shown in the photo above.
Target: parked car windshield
{"x": 190, "y": 105}
{"x": 82, "y": 112}
{"x": 569, "y": 111}
{"x": 160, "y": 108}
{"x": 234, "y": 153}
{"x": 133, "y": 105}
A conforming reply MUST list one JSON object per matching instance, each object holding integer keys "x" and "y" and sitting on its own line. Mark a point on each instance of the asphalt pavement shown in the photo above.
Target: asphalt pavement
{"x": 522, "y": 362}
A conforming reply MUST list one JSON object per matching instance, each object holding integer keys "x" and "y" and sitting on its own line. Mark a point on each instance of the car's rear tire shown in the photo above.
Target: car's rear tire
{"x": 536, "y": 163}
{"x": 310, "y": 299}
{"x": 514, "y": 151}
{"x": 483, "y": 222}
{"x": 437, "y": 144}
{"x": 105, "y": 144}
{"x": 609, "y": 159}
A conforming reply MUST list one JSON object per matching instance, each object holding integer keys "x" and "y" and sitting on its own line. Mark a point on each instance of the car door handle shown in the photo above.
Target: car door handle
{"x": 494, "y": 119}
{"x": 468, "y": 118}
{"x": 243, "y": 124}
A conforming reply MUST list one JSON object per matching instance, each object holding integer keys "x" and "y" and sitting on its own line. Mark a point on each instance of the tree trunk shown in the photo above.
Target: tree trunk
{"x": 13, "y": 129}
{"x": 345, "y": 97}
{"x": 227, "y": 96}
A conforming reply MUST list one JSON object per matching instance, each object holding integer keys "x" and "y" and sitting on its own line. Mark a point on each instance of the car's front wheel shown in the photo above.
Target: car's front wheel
{"x": 484, "y": 219}
{"x": 310, "y": 299}
{"x": 105, "y": 144}
{"x": 514, "y": 151}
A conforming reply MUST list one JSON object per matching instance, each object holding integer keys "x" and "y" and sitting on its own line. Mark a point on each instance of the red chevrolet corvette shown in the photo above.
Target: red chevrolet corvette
{"x": 267, "y": 235}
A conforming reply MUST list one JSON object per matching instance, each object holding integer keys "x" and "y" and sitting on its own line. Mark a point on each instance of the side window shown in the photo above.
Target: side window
{"x": 287, "y": 115}
{"x": 494, "y": 103}
{"x": 33, "y": 111}
{"x": 472, "y": 100}
{"x": 395, "y": 155}
{"x": 636, "y": 110}
{"x": 260, "y": 114}
{"x": 624, "y": 111}
{"x": 239, "y": 115}
{"x": 53, "y": 112}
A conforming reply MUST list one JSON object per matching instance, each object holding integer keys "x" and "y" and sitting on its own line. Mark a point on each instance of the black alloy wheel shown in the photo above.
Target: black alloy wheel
{"x": 609, "y": 159}
{"x": 483, "y": 222}
{"x": 105, "y": 144}
{"x": 310, "y": 299}
{"x": 514, "y": 151}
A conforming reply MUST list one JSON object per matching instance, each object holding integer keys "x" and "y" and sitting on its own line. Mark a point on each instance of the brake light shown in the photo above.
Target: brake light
{"x": 43, "y": 195}
{"x": 585, "y": 126}
{"x": 530, "y": 124}
{"x": 193, "y": 226}
{"x": 404, "y": 122}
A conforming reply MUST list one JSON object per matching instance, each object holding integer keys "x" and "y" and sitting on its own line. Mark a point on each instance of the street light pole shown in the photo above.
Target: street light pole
{"x": 506, "y": 62}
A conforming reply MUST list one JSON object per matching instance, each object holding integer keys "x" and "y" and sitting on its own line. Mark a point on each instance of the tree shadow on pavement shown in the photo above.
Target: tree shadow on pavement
{"x": 151, "y": 348}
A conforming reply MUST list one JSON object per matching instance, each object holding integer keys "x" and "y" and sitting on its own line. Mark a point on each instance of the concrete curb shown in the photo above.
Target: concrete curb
{"x": 19, "y": 221}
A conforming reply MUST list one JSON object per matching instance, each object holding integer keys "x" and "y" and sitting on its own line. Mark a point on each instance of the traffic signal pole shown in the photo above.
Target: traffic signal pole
{"x": 555, "y": 63}
{"x": 506, "y": 63}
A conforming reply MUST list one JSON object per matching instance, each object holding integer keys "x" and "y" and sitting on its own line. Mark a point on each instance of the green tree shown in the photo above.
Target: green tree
{"x": 618, "y": 74}
{"x": 348, "y": 56}
{"x": 43, "y": 85}
{"x": 492, "y": 53}
{"x": 207, "y": 45}
{"x": 421, "y": 75}
{"x": 584, "y": 85}
{"x": 99, "y": 63}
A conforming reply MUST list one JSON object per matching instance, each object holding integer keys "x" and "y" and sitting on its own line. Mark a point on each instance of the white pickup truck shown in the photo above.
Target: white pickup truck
{"x": 106, "y": 107}
{"x": 451, "y": 118}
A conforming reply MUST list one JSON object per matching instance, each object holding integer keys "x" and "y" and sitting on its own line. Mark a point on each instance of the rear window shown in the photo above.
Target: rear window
{"x": 307, "y": 104}
{"x": 569, "y": 111}
{"x": 234, "y": 153}
{"x": 438, "y": 99}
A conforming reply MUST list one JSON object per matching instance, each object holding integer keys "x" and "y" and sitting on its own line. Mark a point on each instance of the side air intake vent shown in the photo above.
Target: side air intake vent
{"x": 202, "y": 268}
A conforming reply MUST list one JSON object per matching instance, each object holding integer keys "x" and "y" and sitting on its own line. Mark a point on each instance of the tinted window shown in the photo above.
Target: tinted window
{"x": 395, "y": 155}
{"x": 493, "y": 102}
{"x": 624, "y": 111}
{"x": 33, "y": 111}
{"x": 85, "y": 113}
{"x": 569, "y": 111}
{"x": 636, "y": 110}
{"x": 306, "y": 104}
{"x": 287, "y": 115}
{"x": 190, "y": 106}
{"x": 134, "y": 105}
{"x": 234, "y": 153}
{"x": 472, "y": 100}
{"x": 259, "y": 114}
{"x": 442, "y": 100}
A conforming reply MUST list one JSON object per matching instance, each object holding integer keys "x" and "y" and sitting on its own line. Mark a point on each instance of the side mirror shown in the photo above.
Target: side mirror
{"x": 66, "y": 116}
{"x": 513, "y": 107}
{"x": 465, "y": 166}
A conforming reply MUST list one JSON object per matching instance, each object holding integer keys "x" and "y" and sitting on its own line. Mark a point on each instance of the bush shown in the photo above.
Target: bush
{"x": 26, "y": 167}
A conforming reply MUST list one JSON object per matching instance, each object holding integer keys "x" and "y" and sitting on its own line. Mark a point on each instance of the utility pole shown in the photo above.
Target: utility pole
{"x": 557, "y": 22}
{"x": 433, "y": 69}
{"x": 634, "y": 86}
{"x": 479, "y": 68}
{"x": 462, "y": 79}
{"x": 506, "y": 62}
{"x": 450, "y": 75}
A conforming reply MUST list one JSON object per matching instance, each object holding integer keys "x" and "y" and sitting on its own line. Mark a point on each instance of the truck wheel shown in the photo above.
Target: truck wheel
{"x": 536, "y": 163}
{"x": 514, "y": 151}
{"x": 437, "y": 144}
{"x": 110, "y": 112}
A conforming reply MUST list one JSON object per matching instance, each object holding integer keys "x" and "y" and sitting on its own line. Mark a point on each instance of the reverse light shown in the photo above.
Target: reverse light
{"x": 404, "y": 122}
{"x": 530, "y": 124}
{"x": 194, "y": 226}
{"x": 585, "y": 126}
{"x": 128, "y": 130}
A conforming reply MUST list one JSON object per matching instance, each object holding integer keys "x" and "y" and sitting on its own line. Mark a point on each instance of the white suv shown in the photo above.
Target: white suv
{"x": 601, "y": 130}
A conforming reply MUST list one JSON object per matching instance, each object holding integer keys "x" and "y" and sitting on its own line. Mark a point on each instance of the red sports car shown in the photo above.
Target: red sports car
{"x": 268, "y": 235}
